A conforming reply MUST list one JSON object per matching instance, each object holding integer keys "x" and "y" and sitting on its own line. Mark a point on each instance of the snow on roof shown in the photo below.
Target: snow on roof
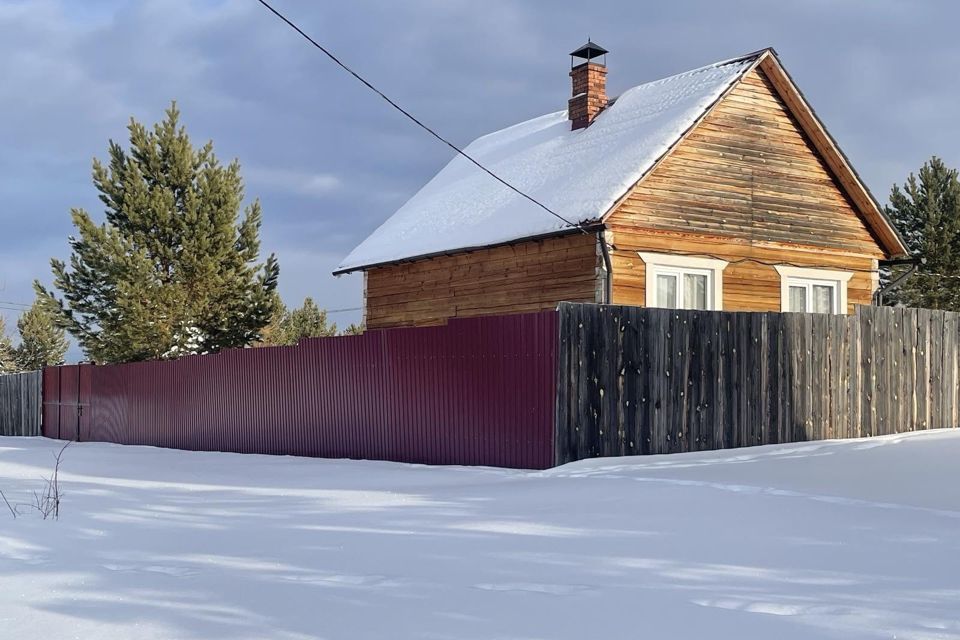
{"x": 578, "y": 174}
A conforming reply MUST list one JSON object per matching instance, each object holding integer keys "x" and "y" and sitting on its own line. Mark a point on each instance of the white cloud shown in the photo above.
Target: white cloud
{"x": 291, "y": 180}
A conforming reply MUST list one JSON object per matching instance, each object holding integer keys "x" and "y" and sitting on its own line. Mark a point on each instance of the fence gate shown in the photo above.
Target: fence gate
{"x": 66, "y": 402}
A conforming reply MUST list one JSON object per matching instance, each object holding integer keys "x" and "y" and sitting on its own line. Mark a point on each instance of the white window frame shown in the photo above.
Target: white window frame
{"x": 671, "y": 264}
{"x": 806, "y": 277}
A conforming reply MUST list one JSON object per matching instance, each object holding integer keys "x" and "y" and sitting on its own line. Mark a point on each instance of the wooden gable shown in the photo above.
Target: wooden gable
{"x": 746, "y": 184}
{"x": 749, "y": 172}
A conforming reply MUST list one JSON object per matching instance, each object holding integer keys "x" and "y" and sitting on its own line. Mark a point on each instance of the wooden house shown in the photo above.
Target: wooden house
{"x": 718, "y": 188}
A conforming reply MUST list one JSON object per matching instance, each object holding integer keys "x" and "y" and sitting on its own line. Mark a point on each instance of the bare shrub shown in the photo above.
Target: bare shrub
{"x": 46, "y": 502}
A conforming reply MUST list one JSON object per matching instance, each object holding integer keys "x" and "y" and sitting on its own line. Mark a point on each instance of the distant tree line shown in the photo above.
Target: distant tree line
{"x": 289, "y": 326}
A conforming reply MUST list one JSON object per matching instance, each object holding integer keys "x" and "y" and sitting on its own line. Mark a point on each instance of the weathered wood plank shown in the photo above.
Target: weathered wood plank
{"x": 657, "y": 340}
{"x": 20, "y": 404}
{"x": 936, "y": 381}
{"x": 947, "y": 378}
{"x": 813, "y": 392}
{"x": 680, "y": 372}
{"x": 868, "y": 410}
{"x": 854, "y": 419}
{"x": 700, "y": 346}
{"x": 921, "y": 373}
{"x": 783, "y": 404}
{"x": 724, "y": 426}
{"x": 907, "y": 391}
{"x": 633, "y": 369}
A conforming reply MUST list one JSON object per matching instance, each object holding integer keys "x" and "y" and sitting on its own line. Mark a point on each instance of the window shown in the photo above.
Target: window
{"x": 813, "y": 290}
{"x": 817, "y": 296}
{"x": 682, "y": 282}
{"x": 682, "y": 288}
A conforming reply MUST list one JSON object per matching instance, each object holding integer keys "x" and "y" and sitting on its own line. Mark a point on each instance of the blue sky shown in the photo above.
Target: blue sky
{"x": 330, "y": 161}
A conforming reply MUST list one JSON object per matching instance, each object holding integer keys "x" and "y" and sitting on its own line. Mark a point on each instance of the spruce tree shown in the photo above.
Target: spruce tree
{"x": 173, "y": 269}
{"x": 926, "y": 211}
{"x": 42, "y": 342}
{"x": 8, "y": 358}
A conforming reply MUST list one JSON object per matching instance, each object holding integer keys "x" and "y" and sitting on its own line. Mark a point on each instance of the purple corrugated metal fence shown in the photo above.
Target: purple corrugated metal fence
{"x": 474, "y": 391}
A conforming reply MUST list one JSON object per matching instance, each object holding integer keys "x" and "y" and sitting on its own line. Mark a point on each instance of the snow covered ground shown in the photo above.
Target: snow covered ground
{"x": 855, "y": 539}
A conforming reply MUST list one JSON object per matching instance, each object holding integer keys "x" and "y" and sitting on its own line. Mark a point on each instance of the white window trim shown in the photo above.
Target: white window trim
{"x": 671, "y": 261}
{"x": 806, "y": 275}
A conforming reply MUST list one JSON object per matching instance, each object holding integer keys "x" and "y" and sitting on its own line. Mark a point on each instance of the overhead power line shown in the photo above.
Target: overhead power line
{"x": 416, "y": 120}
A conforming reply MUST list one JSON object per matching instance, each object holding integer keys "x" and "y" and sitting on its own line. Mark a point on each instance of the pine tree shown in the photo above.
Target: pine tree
{"x": 42, "y": 342}
{"x": 273, "y": 334}
{"x": 288, "y": 326}
{"x": 173, "y": 270}
{"x": 927, "y": 213}
{"x": 309, "y": 321}
{"x": 354, "y": 330}
{"x": 8, "y": 358}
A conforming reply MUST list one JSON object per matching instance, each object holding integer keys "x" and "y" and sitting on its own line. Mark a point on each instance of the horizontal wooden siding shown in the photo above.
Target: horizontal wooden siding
{"x": 750, "y": 282}
{"x": 522, "y": 277}
{"x": 748, "y": 171}
{"x": 748, "y": 187}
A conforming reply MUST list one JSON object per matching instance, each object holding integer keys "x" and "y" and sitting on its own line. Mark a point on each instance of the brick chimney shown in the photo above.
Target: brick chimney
{"x": 589, "y": 85}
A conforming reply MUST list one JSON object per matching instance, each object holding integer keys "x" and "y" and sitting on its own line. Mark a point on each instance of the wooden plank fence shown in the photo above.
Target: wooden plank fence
{"x": 633, "y": 380}
{"x": 20, "y": 404}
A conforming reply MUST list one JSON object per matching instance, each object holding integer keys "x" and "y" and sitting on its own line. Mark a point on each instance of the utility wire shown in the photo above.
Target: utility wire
{"x": 418, "y": 122}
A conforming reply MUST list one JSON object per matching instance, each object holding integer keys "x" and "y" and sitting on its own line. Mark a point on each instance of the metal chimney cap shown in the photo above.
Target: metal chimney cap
{"x": 589, "y": 51}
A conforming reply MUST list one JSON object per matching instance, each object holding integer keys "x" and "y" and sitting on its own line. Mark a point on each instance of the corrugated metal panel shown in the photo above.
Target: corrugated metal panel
{"x": 474, "y": 391}
{"x": 51, "y": 402}
{"x": 69, "y": 400}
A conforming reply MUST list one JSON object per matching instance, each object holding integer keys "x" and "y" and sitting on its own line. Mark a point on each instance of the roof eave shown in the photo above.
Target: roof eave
{"x": 589, "y": 227}
{"x": 767, "y": 59}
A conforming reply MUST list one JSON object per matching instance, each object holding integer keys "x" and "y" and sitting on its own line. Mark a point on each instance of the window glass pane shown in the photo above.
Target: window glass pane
{"x": 823, "y": 298}
{"x": 694, "y": 291}
{"x": 798, "y": 298}
{"x": 666, "y": 291}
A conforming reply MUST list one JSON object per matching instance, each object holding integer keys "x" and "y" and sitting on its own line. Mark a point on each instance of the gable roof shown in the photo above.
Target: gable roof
{"x": 579, "y": 174}
{"x": 886, "y": 234}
